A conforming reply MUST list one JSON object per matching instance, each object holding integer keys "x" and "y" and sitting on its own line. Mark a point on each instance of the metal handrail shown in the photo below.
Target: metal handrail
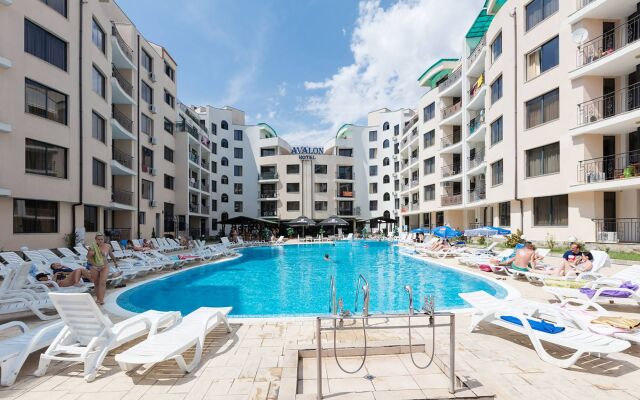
{"x": 122, "y": 196}
{"x": 450, "y": 140}
{"x": 194, "y": 208}
{"x": 625, "y": 230}
{"x": 451, "y": 170}
{"x": 122, "y": 157}
{"x": 128, "y": 51}
{"x": 451, "y": 79}
{"x": 268, "y": 175}
{"x": 122, "y": 119}
{"x": 450, "y": 110}
{"x": 451, "y": 200}
{"x": 608, "y": 43}
{"x": 476, "y": 122}
{"x": 477, "y": 159}
{"x": 268, "y": 194}
{"x": 611, "y": 104}
{"x": 580, "y": 4}
{"x": 345, "y": 176}
{"x": 122, "y": 81}
{"x": 410, "y": 123}
{"x": 616, "y": 166}
{"x": 477, "y": 50}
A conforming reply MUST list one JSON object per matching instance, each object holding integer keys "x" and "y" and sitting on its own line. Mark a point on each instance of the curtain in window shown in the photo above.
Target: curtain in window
{"x": 35, "y": 40}
{"x": 551, "y": 102}
{"x": 534, "y": 112}
{"x": 57, "y": 106}
{"x": 550, "y": 7}
{"x": 534, "y": 162}
{"x": 534, "y": 13}
{"x": 56, "y": 51}
{"x": 551, "y": 159}
{"x": 35, "y": 99}
{"x": 533, "y": 64}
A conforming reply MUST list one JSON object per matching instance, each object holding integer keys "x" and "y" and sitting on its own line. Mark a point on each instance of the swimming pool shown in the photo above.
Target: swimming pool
{"x": 294, "y": 281}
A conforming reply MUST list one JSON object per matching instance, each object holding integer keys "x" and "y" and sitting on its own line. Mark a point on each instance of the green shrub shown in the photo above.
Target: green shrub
{"x": 290, "y": 232}
{"x": 514, "y": 239}
{"x": 551, "y": 242}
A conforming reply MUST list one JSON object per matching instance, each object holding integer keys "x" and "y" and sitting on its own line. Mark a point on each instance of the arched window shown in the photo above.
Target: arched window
{"x": 385, "y": 126}
{"x": 224, "y": 198}
{"x": 386, "y": 197}
{"x": 224, "y": 125}
{"x": 385, "y": 179}
{"x": 224, "y": 216}
{"x": 385, "y": 161}
{"x": 224, "y": 143}
{"x": 385, "y": 144}
{"x": 224, "y": 161}
{"x": 385, "y": 214}
{"x": 224, "y": 180}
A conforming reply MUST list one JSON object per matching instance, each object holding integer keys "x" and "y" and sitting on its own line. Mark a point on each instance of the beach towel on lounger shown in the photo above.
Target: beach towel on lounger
{"x": 611, "y": 292}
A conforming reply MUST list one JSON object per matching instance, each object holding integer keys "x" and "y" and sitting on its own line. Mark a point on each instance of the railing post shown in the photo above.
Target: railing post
{"x": 452, "y": 353}
{"x": 319, "y": 358}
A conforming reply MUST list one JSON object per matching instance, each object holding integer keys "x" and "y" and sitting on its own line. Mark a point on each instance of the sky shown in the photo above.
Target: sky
{"x": 305, "y": 67}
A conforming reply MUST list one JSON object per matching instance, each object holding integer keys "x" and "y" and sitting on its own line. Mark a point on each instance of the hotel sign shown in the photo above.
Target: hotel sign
{"x": 306, "y": 152}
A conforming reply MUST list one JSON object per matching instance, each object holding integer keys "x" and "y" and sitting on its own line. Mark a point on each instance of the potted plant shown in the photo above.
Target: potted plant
{"x": 290, "y": 232}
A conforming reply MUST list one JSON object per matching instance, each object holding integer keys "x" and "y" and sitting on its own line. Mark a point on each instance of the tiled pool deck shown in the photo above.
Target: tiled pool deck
{"x": 259, "y": 360}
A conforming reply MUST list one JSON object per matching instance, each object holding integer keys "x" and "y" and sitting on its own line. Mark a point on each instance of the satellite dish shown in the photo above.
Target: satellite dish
{"x": 580, "y": 35}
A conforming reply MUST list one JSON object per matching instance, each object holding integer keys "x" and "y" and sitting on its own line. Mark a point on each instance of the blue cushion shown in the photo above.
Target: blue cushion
{"x": 541, "y": 326}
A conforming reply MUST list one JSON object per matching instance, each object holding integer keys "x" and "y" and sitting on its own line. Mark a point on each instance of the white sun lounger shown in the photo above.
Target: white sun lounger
{"x": 490, "y": 309}
{"x": 173, "y": 343}
{"x": 22, "y": 300}
{"x": 600, "y": 260}
{"x": 89, "y": 334}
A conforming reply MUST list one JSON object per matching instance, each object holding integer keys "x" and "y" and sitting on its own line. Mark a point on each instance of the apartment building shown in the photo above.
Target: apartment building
{"x": 91, "y": 102}
{"x": 534, "y": 125}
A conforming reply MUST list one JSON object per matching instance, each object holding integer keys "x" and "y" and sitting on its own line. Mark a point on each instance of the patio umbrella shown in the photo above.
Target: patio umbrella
{"x": 333, "y": 220}
{"x": 501, "y": 231}
{"x": 420, "y": 230}
{"x": 303, "y": 222}
{"x": 445, "y": 232}
{"x": 484, "y": 231}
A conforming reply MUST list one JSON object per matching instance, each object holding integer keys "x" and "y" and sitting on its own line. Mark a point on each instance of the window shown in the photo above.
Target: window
{"x": 237, "y": 206}
{"x": 267, "y": 152}
{"x": 45, "y": 159}
{"x": 35, "y": 216}
{"x": 237, "y": 152}
{"x": 539, "y": 10}
{"x": 169, "y": 71}
{"x": 543, "y": 108}
{"x": 551, "y": 210}
{"x": 237, "y": 170}
{"x": 237, "y": 188}
{"x": 293, "y": 168}
{"x": 214, "y": 205}
{"x": 98, "y": 127}
{"x": 224, "y": 180}
{"x": 146, "y": 61}
{"x": 169, "y": 99}
{"x": 385, "y": 126}
{"x": 214, "y": 224}
{"x": 59, "y": 6}
{"x": 386, "y": 197}
{"x": 224, "y": 161}
{"x": 345, "y": 152}
{"x": 429, "y": 112}
{"x": 396, "y": 148}
{"x": 214, "y": 167}
{"x": 543, "y": 58}
{"x": 214, "y": 148}
{"x": 373, "y": 136}
{"x": 237, "y": 134}
{"x": 373, "y": 205}
{"x": 320, "y": 205}
{"x": 386, "y": 179}
{"x": 429, "y": 166}
{"x": 214, "y": 186}
{"x": 496, "y": 173}
{"x": 44, "y": 45}
{"x": 293, "y": 188}
{"x": 543, "y": 160}
{"x": 168, "y": 182}
{"x": 224, "y": 198}
{"x": 224, "y": 143}
{"x": 373, "y": 188}
{"x": 99, "y": 173}
{"x": 385, "y": 161}
{"x": 320, "y": 169}
{"x": 214, "y": 128}
{"x": 224, "y": 125}
{"x": 169, "y": 126}
{"x": 373, "y": 170}
{"x": 496, "y": 47}
{"x": 97, "y": 36}
{"x": 168, "y": 154}
{"x": 504, "y": 211}
{"x": 91, "y": 218}
{"x": 396, "y": 130}
{"x": 496, "y": 90}
{"x": 146, "y": 189}
{"x": 142, "y": 217}
{"x": 45, "y": 102}
{"x": 429, "y": 192}
{"x": 373, "y": 153}
{"x": 496, "y": 131}
{"x": 146, "y": 92}
{"x": 98, "y": 82}
{"x": 429, "y": 139}
{"x": 321, "y": 187}
{"x": 146, "y": 125}
{"x": 293, "y": 206}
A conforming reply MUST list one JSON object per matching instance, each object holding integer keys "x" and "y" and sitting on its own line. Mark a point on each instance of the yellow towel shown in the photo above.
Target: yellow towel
{"x": 97, "y": 259}
{"x": 618, "y": 322}
{"x": 565, "y": 284}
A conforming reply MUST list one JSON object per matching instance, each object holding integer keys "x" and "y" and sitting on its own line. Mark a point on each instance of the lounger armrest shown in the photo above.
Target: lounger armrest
{"x": 613, "y": 282}
{"x": 19, "y": 324}
{"x": 169, "y": 320}
{"x": 583, "y": 305}
{"x": 205, "y": 324}
{"x": 589, "y": 276}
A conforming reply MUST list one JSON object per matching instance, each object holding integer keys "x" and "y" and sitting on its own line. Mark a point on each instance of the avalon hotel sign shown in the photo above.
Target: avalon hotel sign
{"x": 306, "y": 152}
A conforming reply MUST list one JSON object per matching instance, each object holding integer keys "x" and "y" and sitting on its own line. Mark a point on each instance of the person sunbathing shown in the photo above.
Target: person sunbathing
{"x": 59, "y": 268}
{"x": 63, "y": 279}
{"x": 524, "y": 259}
{"x": 583, "y": 263}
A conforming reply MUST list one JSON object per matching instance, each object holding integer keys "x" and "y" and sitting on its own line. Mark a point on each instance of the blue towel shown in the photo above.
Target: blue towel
{"x": 541, "y": 326}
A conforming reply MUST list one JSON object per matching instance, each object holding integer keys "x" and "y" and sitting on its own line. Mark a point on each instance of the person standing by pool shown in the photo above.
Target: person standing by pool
{"x": 98, "y": 257}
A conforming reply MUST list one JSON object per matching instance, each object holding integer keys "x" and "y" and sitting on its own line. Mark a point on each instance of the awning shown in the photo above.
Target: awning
{"x": 241, "y": 220}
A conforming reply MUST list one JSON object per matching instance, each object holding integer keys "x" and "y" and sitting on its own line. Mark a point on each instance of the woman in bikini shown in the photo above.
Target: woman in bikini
{"x": 98, "y": 257}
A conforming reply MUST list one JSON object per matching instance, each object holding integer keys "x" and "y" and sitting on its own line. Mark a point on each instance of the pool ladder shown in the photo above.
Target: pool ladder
{"x": 337, "y": 305}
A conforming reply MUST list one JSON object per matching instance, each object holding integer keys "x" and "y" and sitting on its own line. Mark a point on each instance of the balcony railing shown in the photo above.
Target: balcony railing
{"x": 346, "y": 193}
{"x": 347, "y": 212}
{"x": 476, "y": 123}
{"x": 122, "y": 197}
{"x": 204, "y": 187}
{"x": 450, "y": 140}
{"x": 194, "y": 208}
{"x": 617, "y": 166}
{"x": 268, "y": 213}
{"x": 123, "y": 45}
{"x": 614, "y": 230}
{"x": 451, "y": 200}
{"x": 452, "y": 109}
{"x": 580, "y": 4}
{"x": 611, "y": 104}
{"x": 268, "y": 175}
{"x": 609, "y": 42}
{"x": 122, "y": 81}
{"x": 475, "y": 89}
{"x": 415, "y": 206}
{"x": 410, "y": 123}
{"x": 194, "y": 158}
{"x": 414, "y": 183}
{"x": 268, "y": 194}
{"x": 182, "y": 126}
{"x": 194, "y": 184}
{"x": 477, "y": 50}
{"x": 345, "y": 176}
{"x": 122, "y": 119}
{"x": 477, "y": 159}
{"x": 477, "y": 194}
{"x": 451, "y": 79}
{"x": 451, "y": 170}
{"x": 204, "y": 164}
{"x": 204, "y": 210}
{"x": 122, "y": 157}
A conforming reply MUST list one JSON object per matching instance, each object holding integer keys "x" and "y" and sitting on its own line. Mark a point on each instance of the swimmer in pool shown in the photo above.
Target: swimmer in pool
{"x": 327, "y": 258}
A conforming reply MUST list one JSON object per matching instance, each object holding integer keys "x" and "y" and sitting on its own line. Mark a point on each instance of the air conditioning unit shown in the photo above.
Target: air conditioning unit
{"x": 608, "y": 237}
{"x": 152, "y": 203}
{"x": 395, "y": 156}
{"x": 152, "y": 109}
{"x": 153, "y": 140}
{"x": 152, "y": 77}
{"x": 152, "y": 171}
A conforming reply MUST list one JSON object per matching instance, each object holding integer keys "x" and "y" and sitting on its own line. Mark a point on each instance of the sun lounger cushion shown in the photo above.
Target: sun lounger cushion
{"x": 564, "y": 283}
{"x": 542, "y": 326}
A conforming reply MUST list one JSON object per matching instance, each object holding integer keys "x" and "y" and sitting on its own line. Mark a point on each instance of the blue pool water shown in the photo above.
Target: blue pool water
{"x": 294, "y": 280}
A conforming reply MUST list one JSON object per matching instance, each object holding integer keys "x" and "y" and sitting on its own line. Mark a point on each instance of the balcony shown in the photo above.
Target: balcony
{"x": 268, "y": 176}
{"x": 194, "y": 184}
{"x": 415, "y": 206}
{"x": 121, "y": 163}
{"x": 348, "y": 212}
{"x": 122, "y": 54}
{"x": 451, "y": 111}
{"x": 268, "y": 195}
{"x": 195, "y": 233}
{"x": 477, "y": 194}
{"x": 618, "y": 230}
{"x": 194, "y": 208}
{"x": 348, "y": 194}
{"x": 194, "y": 158}
{"x": 612, "y": 113}
{"x": 182, "y": 126}
{"x": 204, "y": 164}
{"x": 121, "y": 88}
{"x": 118, "y": 233}
{"x": 611, "y": 168}
{"x": 450, "y": 85}
{"x": 204, "y": 209}
{"x": 123, "y": 198}
{"x": 476, "y": 160}
{"x": 476, "y": 123}
{"x": 451, "y": 200}
{"x": 450, "y": 140}
{"x": 451, "y": 170}
{"x": 409, "y": 124}
{"x": 610, "y": 54}
{"x": 476, "y": 58}
{"x": 345, "y": 176}
{"x": 204, "y": 187}
{"x": 269, "y": 213}
{"x": 121, "y": 125}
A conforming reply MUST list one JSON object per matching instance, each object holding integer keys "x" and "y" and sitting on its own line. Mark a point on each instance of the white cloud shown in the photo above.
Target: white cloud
{"x": 391, "y": 48}
{"x": 282, "y": 89}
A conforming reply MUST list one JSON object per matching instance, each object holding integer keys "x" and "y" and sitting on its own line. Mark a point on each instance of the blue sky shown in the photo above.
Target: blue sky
{"x": 303, "y": 66}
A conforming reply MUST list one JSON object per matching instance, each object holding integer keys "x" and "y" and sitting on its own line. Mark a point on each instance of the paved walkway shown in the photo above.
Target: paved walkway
{"x": 258, "y": 360}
